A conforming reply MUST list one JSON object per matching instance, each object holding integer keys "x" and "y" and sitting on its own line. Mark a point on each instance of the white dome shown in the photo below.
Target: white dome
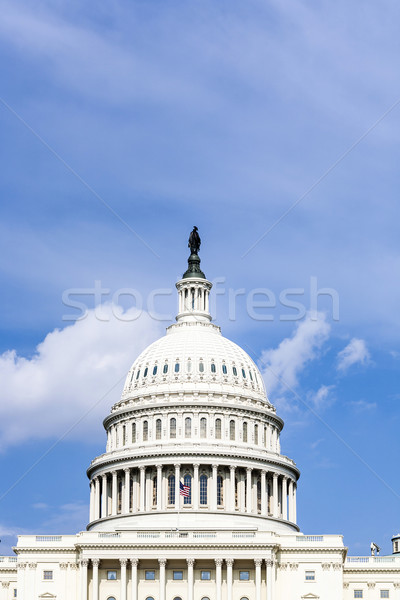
{"x": 194, "y": 355}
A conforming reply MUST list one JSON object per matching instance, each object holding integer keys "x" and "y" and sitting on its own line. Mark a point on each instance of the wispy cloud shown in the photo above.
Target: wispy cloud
{"x": 356, "y": 352}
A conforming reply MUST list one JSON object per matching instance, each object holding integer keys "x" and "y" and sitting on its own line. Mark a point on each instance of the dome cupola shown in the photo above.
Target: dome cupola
{"x": 194, "y": 434}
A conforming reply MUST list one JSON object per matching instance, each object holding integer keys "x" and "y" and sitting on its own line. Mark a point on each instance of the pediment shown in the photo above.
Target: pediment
{"x": 47, "y": 595}
{"x": 310, "y": 597}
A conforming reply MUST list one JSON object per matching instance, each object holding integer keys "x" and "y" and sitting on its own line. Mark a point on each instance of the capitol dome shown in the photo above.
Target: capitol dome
{"x": 194, "y": 438}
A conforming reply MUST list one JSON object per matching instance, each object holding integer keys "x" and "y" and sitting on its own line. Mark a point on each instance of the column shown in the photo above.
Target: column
{"x": 270, "y": 579}
{"x": 284, "y": 498}
{"x": 258, "y": 563}
{"x": 95, "y": 578}
{"x": 84, "y": 579}
{"x": 264, "y": 511}
{"x": 104, "y": 495}
{"x": 97, "y": 498}
{"x": 114, "y": 493}
{"x": 229, "y": 578}
{"x": 291, "y": 500}
{"x": 213, "y": 502}
{"x": 177, "y": 481}
{"x": 142, "y": 488}
{"x": 232, "y": 488}
{"x": 159, "y": 487}
{"x": 127, "y": 490}
{"x": 275, "y": 495}
{"x": 195, "y": 493}
{"x": 91, "y": 505}
{"x": 123, "y": 562}
{"x": 21, "y": 580}
{"x": 396, "y": 591}
{"x": 134, "y": 563}
{"x": 248, "y": 490}
{"x": 294, "y": 503}
{"x": 190, "y": 563}
{"x": 162, "y": 563}
{"x": 218, "y": 578}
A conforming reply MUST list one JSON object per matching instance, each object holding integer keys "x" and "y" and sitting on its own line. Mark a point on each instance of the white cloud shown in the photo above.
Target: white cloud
{"x": 322, "y": 397}
{"x": 356, "y": 352}
{"x": 286, "y": 362}
{"x": 363, "y": 405}
{"x": 71, "y": 371}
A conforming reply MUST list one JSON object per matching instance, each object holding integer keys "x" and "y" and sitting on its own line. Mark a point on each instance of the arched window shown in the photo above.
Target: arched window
{"x": 251, "y": 376}
{"x": 234, "y": 370}
{"x": 145, "y": 431}
{"x": 224, "y": 369}
{"x": 205, "y": 598}
{"x": 165, "y": 368}
{"x": 171, "y": 489}
{"x": 123, "y": 435}
{"x": 177, "y": 598}
{"x": 154, "y": 491}
{"x": 220, "y": 490}
{"x": 244, "y": 374}
{"x": 236, "y": 492}
{"x": 258, "y": 495}
{"x": 256, "y": 434}
{"x": 213, "y": 368}
{"x": 203, "y": 489}
{"x": 172, "y": 428}
{"x": 245, "y": 431}
{"x": 137, "y": 374}
{"x": 187, "y": 480}
{"x": 232, "y": 430}
{"x": 203, "y": 427}
{"x": 158, "y": 429}
{"x": 177, "y": 367}
{"x": 218, "y": 428}
{"x": 265, "y": 436}
{"x": 188, "y": 427}
{"x": 155, "y": 370}
{"x": 151, "y": 598}
{"x": 133, "y": 433}
{"x": 201, "y": 367}
{"x": 119, "y": 496}
{"x": 145, "y": 372}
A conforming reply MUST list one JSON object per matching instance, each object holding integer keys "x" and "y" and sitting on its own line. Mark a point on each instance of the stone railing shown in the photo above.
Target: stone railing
{"x": 372, "y": 559}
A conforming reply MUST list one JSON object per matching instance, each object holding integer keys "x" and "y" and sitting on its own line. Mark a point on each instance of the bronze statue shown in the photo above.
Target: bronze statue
{"x": 194, "y": 241}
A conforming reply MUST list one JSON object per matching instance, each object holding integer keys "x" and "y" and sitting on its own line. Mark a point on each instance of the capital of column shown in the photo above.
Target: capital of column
{"x": 134, "y": 562}
{"x": 123, "y": 562}
{"x": 127, "y": 470}
{"x": 190, "y": 562}
{"x": 63, "y": 566}
{"x": 218, "y": 562}
{"x": 32, "y": 565}
{"x": 162, "y": 562}
{"x": 275, "y": 475}
{"x": 95, "y": 562}
{"x": 232, "y": 467}
{"x": 269, "y": 562}
{"x": 249, "y": 469}
{"x": 229, "y": 562}
{"x": 215, "y": 467}
{"x": 177, "y": 465}
{"x": 258, "y": 562}
{"x": 5, "y": 584}
{"x": 113, "y": 473}
{"x": 264, "y": 472}
{"x": 142, "y": 468}
{"x": 84, "y": 562}
{"x": 159, "y": 467}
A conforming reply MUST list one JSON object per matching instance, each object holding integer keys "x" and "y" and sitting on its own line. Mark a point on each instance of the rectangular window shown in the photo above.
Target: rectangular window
{"x": 310, "y": 575}
{"x": 205, "y": 575}
{"x": 178, "y": 575}
{"x": 111, "y": 575}
{"x": 48, "y": 575}
{"x": 244, "y": 575}
{"x": 15, "y": 593}
{"x": 384, "y": 593}
{"x": 149, "y": 575}
{"x": 358, "y": 594}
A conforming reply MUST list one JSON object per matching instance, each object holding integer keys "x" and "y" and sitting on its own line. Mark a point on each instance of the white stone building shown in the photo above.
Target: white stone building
{"x": 194, "y": 412}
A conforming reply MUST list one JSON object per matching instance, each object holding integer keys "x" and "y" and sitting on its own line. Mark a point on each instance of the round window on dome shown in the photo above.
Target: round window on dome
{"x": 234, "y": 370}
{"x": 145, "y": 372}
{"x": 213, "y": 368}
{"x": 138, "y": 374}
{"x": 165, "y": 368}
{"x": 244, "y": 374}
{"x": 155, "y": 370}
{"x": 251, "y": 376}
{"x": 177, "y": 366}
{"x": 224, "y": 369}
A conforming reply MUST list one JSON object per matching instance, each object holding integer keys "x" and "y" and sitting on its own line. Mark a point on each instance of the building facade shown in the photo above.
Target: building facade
{"x": 192, "y": 499}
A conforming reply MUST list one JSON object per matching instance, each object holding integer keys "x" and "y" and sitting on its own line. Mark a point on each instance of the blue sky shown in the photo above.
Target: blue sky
{"x": 124, "y": 124}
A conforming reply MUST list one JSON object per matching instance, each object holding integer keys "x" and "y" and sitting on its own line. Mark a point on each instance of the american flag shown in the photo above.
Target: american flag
{"x": 184, "y": 490}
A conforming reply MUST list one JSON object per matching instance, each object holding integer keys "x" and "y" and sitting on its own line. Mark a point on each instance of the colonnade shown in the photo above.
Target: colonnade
{"x": 129, "y": 571}
{"x": 213, "y": 487}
